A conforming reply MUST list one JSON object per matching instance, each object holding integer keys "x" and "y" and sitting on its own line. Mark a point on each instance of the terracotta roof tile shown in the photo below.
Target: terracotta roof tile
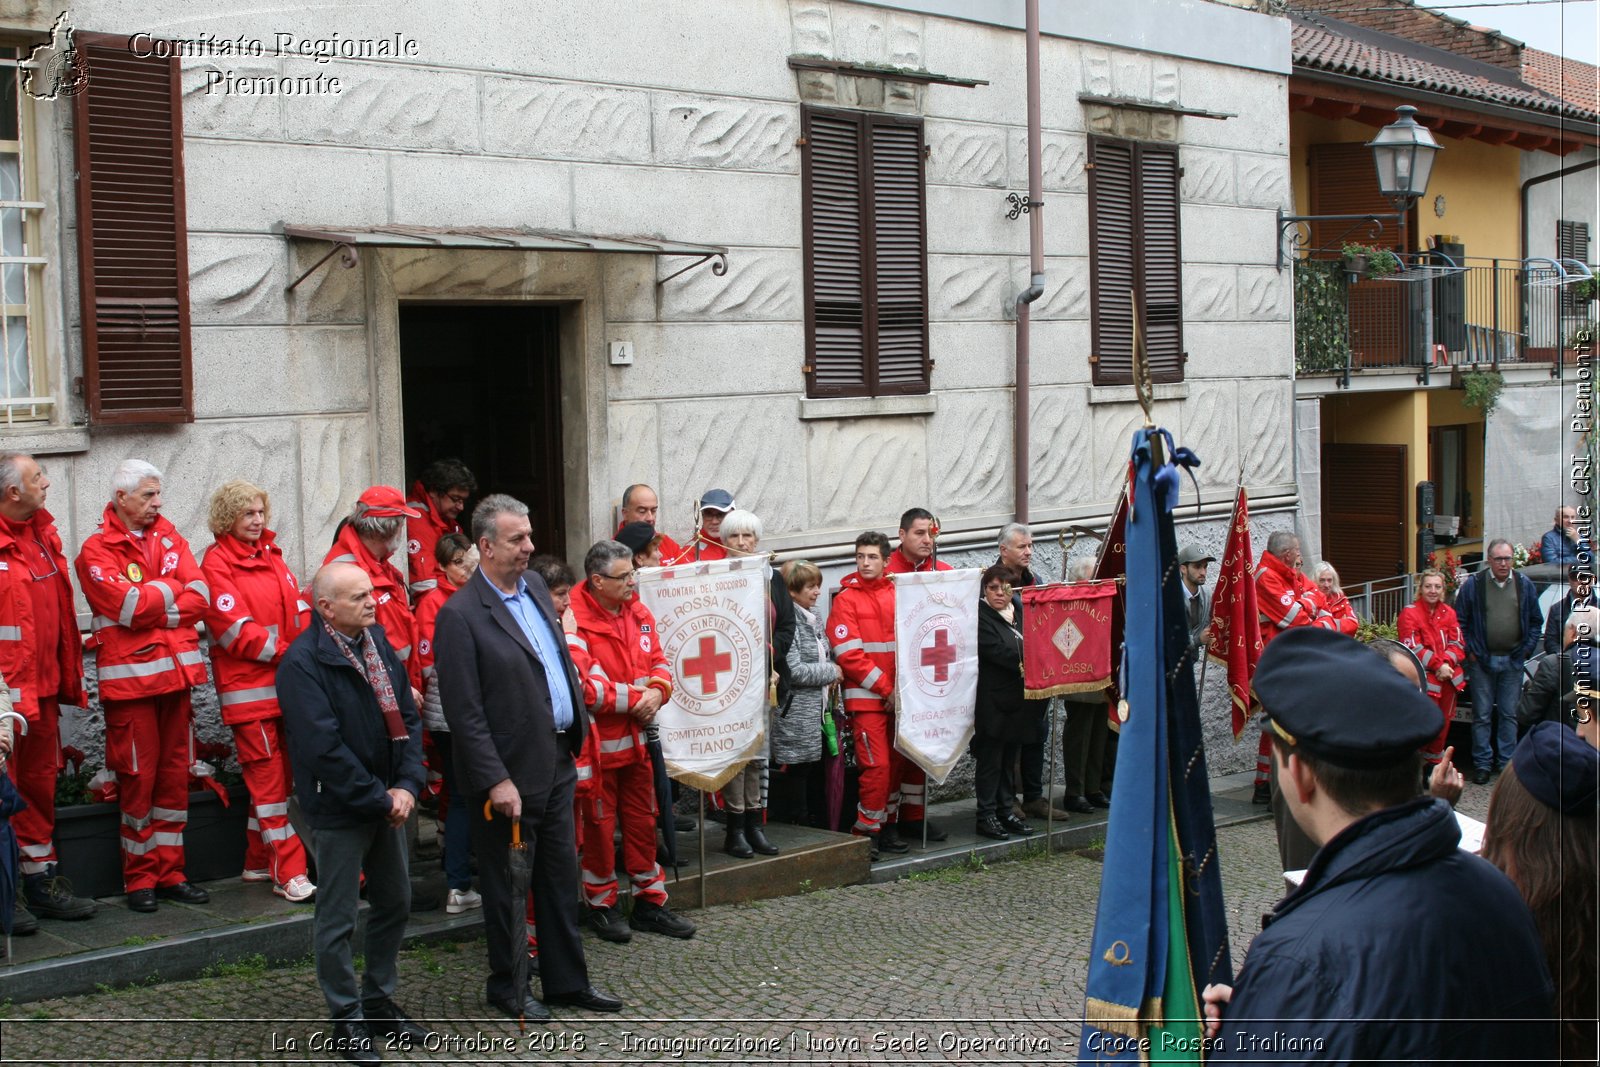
{"x": 1575, "y": 82}
{"x": 1326, "y": 44}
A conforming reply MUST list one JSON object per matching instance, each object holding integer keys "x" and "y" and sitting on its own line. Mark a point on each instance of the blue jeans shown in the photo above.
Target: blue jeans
{"x": 457, "y": 818}
{"x": 1495, "y": 684}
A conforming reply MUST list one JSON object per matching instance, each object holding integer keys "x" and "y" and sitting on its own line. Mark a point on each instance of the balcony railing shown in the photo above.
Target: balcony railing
{"x": 1436, "y": 315}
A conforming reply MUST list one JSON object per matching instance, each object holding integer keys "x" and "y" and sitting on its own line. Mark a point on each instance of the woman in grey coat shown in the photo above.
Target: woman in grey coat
{"x": 796, "y": 766}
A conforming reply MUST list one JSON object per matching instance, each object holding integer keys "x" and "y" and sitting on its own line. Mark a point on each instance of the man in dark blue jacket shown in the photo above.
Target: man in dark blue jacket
{"x": 1501, "y": 625}
{"x": 1398, "y": 947}
{"x": 355, "y": 744}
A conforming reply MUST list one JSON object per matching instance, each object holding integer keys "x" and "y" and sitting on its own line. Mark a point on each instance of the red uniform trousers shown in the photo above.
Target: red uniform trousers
{"x": 1433, "y": 752}
{"x": 884, "y": 774}
{"x": 270, "y": 843}
{"x": 148, "y": 744}
{"x": 35, "y": 762}
{"x": 628, "y": 791}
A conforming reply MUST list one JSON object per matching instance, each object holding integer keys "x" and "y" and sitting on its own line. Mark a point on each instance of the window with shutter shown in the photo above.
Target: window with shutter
{"x": 1572, "y": 242}
{"x": 1135, "y": 251}
{"x": 132, "y": 237}
{"x": 865, "y": 244}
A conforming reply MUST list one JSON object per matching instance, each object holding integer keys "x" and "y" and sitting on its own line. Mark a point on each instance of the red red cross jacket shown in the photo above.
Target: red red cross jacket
{"x": 618, "y": 658}
{"x": 1285, "y": 598}
{"x": 146, "y": 593}
{"x": 254, "y": 614}
{"x": 29, "y": 551}
{"x": 1434, "y": 634}
{"x": 1341, "y": 615}
{"x": 861, "y": 633}
{"x": 899, "y": 563}
{"x": 389, "y": 586}
{"x": 422, "y": 537}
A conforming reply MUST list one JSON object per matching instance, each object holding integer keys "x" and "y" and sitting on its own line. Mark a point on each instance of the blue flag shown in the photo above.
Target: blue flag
{"x": 1160, "y": 929}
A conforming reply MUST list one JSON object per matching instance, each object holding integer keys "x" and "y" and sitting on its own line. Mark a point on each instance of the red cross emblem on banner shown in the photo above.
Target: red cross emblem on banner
{"x": 708, "y": 666}
{"x": 939, "y": 655}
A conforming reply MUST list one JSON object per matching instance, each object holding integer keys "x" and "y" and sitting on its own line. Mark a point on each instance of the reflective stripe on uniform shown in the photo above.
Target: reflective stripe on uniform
{"x": 137, "y": 822}
{"x": 846, "y": 646}
{"x": 10, "y": 633}
{"x": 585, "y": 773}
{"x": 861, "y": 694}
{"x": 597, "y": 879}
{"x": 140, "y": 848}
{"x": 270, "y": 649}
{"x": 247, "y": 696}
{"x": 874, "y": 676}
{"x": 117, "y": 671}
{"x": 878, "y": 646}
{"x": 200, "y": 587}
{"x": 231, "y": 634}
{"x": 345, "y": 558}
{"x": 577, "y": 642}
{"x": 130, "y": 605}
{"x": 619, "y": 744}
{"x": 403, "y": 654}
{"x": 192, "y": 658}
{"x": 267, "y": 811}
{"x": 277, "y": 833}
{"x": 170, "y": 601}
{"x": 169, "y": 814}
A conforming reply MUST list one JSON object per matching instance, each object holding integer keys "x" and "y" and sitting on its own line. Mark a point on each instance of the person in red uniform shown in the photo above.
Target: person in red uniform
{"x": 1430, "y": 629}
{"x": 706, "y": 542}
{"x": 367, "y": 537}
{"x": 640, "y": 504}
{"x": 861, "y": 635}
{"x": 1337, "y": 605}
{"x": 146, "y": 593}
{"x": 918, "y": 531}
{"x": 1285, "y": 598}
{"x": 438, "y": 496}
{"x": 254, "y": 614}
{"x": 625, "y": 681}
{"x": 41, "y": 659}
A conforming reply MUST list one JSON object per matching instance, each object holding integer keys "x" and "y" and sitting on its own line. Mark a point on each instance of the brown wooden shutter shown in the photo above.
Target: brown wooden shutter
{"x": 899, "y": 259}
{"x": 865, "y": 236}
{"x": 1344, "y": 181}
{"x": 1113, "y": 258}
{"x": 1572, "y": 242}
{"x": 132, "y": 237}
{"x": 1161, "y": 260}
{"x": 1364, "y": 511}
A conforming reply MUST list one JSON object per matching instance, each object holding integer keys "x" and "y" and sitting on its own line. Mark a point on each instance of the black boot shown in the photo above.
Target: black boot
{"x": 754, "y": 832}
{"x": 734, "y": 843}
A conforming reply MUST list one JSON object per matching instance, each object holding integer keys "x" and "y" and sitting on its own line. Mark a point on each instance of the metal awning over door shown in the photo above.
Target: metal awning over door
{"x": 347, "y": 239}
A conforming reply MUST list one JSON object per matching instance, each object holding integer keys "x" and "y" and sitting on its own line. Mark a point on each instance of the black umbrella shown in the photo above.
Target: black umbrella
{"x": 666, "y": 818}
{"x": 519, "y": 863}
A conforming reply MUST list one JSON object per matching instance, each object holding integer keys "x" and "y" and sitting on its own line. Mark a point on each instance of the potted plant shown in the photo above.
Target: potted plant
{"x": 1584, "y": 291}
{"x": 1369, "y": 260}
{"x": 1482, "y": 388}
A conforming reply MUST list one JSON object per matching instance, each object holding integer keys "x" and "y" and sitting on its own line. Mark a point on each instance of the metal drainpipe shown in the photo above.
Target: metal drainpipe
{"x": 1035, "y": 289}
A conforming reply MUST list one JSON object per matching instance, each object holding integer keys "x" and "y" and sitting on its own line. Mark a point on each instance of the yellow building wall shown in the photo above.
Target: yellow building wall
{"x": 1445, "y": 408}
{"x": 1386, "y": 419}
{"x": 1479, "y": 182}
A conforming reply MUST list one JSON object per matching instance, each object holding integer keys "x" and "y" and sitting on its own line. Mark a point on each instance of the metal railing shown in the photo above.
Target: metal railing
{"x": 1435, "y": 315}
{"x": 1381, "y": 600}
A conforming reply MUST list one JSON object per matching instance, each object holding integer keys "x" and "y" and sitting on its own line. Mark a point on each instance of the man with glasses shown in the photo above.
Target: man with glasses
{"x": 625, "y": 681}
{"x": 41, "y": 660}
{"x": 439, "y": 496}
{"x": 1501, "y": 625}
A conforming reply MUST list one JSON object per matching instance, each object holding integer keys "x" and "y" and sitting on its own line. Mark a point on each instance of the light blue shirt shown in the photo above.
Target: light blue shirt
{"x": 546, "y": 645}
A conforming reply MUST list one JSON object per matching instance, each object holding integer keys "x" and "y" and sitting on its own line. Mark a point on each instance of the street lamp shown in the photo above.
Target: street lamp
{"x": 1403, "y": 153}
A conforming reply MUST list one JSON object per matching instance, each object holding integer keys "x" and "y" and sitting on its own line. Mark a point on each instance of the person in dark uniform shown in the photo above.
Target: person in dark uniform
{"x": 1398, "y": 946}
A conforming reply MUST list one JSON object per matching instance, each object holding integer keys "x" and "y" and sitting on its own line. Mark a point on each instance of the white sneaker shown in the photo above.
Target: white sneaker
{"x": 262, "y": 875}
{"x": 459, "y": 900}
{"x": 296, "y": 889}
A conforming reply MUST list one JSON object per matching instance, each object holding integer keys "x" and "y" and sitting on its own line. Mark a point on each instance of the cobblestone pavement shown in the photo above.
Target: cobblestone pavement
{"x": 965, "y": 964}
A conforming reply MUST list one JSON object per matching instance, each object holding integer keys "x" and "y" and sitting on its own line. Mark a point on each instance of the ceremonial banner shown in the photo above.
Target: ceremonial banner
{"x": 1066, "y": 638}
{"x": 1235, "y": 626}
{"x": 1160, "y": 929}
{"x": 936, "y": 666}
{"x": 711, "y": 620}
{"x": 1109, "y": 566}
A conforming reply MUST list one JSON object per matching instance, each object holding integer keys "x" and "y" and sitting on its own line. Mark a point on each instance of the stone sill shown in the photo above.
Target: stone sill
{"x": 858, "y": 407}
{"x": 1124, "y": 394}
{"x": 38, "y": 439}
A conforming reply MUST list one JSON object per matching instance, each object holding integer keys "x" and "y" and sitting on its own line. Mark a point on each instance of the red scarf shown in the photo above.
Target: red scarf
{"x": 376, "y": 675}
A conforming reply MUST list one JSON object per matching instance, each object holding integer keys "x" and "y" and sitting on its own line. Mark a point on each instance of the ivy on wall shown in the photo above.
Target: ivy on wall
{"x": 1321, "y": 316}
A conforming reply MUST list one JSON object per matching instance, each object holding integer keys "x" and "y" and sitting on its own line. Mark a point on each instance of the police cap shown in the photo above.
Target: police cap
{"x": 1328, "y": 696}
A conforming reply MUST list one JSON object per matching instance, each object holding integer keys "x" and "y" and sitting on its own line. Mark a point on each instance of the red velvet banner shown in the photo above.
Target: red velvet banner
{"x": 1235, "y": 626}
{"x": 1066, "y": 638}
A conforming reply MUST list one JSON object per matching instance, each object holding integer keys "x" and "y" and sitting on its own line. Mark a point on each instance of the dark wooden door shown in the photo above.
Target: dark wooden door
{"x": 1364, "y": 511}
{"x": 483, "y": 384}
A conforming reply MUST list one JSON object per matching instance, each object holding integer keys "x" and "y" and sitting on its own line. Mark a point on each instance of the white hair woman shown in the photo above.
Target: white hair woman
{"x": 1333, "y": 598}
{"x": 745, "y": 796}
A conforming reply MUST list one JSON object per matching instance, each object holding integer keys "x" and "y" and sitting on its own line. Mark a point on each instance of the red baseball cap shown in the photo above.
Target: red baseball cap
{"x": 383, "y": 501}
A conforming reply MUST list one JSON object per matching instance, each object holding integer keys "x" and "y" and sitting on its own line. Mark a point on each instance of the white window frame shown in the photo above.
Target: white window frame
{"x": 38, "y": 405}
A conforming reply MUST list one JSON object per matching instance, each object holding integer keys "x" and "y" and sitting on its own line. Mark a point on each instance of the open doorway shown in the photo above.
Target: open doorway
{"x": 483, "y": 383}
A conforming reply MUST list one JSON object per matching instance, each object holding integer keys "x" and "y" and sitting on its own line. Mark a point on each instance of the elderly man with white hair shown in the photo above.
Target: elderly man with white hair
{"x": 146, "y": 593}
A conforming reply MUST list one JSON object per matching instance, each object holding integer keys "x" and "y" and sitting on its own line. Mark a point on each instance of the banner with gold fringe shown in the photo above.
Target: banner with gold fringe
{"x": 1066, "y": 638}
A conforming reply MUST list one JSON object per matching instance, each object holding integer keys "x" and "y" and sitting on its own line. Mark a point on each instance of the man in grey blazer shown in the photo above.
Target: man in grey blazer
{"x": 1193, "y": 561}
{"x": 514, "y": 705}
